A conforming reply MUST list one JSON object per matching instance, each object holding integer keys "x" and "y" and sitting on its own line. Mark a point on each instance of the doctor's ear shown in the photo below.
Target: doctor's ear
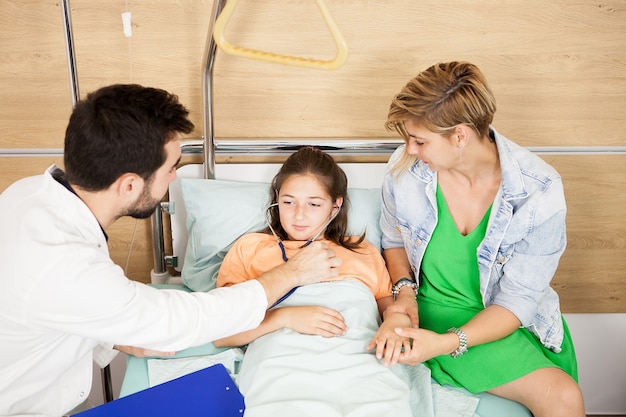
{"x": 129, "y": 184}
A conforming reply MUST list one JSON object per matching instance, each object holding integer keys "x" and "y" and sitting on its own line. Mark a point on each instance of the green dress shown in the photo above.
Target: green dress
{"x": 449, "y": 296}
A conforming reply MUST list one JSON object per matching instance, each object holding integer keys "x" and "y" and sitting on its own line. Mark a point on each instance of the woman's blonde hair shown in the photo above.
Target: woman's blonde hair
{"x": 440, "y": 98}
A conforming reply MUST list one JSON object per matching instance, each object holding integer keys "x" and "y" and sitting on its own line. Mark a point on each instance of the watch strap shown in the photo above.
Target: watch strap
{"x": 462, "y": 342}
{"x": 401, "y": 283}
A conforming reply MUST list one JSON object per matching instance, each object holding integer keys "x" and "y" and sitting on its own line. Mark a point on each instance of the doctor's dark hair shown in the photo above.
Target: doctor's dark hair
{"x": 119, "y": 129}
{"x": 311, "y": 161}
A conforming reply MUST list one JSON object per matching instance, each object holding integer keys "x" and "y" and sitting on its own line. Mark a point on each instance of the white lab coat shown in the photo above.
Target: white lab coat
{"x": 61, "y": 296}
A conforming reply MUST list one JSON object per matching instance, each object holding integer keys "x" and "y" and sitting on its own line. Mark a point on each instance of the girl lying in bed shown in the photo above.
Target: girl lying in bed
{"x": 309, "y": 354}
{"x": 308, "y": 202}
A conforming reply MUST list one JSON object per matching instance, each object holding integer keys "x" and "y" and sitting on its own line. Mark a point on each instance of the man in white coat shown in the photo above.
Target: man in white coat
{"x": 63, "y": 302}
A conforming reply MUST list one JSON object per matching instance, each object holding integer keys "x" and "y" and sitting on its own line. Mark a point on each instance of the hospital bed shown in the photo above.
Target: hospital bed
{"x": 211, "y": 205}
{"x": 208, "y": 215}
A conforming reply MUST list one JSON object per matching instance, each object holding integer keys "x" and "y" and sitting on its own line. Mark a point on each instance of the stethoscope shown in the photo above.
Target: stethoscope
{"x": 308, "y": 242}
{"x": 282, "y": 246}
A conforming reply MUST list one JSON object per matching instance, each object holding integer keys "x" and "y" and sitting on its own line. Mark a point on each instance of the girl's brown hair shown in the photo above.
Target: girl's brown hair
{"x": 311, "y": 161}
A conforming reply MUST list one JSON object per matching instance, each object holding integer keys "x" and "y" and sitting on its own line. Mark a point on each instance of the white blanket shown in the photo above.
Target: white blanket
{"x": 286, "y": 373}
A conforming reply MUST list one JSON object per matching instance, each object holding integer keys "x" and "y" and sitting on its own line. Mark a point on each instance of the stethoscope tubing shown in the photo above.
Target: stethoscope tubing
{"x": 282, "y": 246}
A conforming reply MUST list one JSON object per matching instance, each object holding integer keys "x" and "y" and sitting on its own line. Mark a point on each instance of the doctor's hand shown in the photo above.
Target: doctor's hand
{"x": 315, "y": 263}
{"x": 141, "y": 352}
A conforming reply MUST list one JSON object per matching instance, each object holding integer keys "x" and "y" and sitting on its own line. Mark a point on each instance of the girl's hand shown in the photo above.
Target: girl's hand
{"x": 405, "y": 304}
{"x": 316, "y": 320}
{"x": 388, "y": 343}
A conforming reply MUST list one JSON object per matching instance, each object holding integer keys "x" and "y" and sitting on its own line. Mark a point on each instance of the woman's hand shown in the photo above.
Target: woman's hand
{"x": 316, "y": 320}
{"x": 425, "y": 344}
{"x": 492, "y": 323}
{"x": 388, "y": 343}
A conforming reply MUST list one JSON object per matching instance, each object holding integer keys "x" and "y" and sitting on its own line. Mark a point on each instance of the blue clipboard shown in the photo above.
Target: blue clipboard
{"x": 208, "y": 392}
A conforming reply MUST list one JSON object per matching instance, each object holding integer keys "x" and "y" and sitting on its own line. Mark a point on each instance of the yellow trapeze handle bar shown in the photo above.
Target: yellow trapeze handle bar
{"x": 229, "y": 48}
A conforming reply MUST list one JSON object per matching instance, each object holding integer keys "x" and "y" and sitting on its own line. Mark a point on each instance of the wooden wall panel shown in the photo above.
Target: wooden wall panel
{"x": 12, "y": 168}
{"x": 35, "y": 99}
{"x": 591, "y": 277}
{"x": 558, "y": 70}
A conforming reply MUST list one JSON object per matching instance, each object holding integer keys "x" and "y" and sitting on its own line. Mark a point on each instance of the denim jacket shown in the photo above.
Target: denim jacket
{"x": 524, "y": 241}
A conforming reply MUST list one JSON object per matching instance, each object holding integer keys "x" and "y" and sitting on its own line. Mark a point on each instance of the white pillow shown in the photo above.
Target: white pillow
{"x": 219, "y": 212}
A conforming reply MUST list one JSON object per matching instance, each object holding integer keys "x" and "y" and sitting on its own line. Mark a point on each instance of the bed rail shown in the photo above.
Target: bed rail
{"x": 358, "y": 147}
{"x": 246, "y": 147}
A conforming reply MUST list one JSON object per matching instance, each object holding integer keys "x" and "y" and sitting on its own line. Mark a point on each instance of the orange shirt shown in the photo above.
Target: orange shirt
{"x": 256, "y": 253}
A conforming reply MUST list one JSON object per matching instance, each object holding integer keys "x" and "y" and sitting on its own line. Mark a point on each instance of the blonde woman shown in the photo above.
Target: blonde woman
{"x": 480, "y": 223}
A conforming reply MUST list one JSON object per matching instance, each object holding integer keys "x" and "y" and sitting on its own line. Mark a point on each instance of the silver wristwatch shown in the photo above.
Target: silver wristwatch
{"x": 401, "y": 283}
{"x": 462, "y": 342}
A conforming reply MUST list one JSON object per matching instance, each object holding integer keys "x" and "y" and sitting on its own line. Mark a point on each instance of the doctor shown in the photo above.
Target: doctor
{"x": 63, "y": 302}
